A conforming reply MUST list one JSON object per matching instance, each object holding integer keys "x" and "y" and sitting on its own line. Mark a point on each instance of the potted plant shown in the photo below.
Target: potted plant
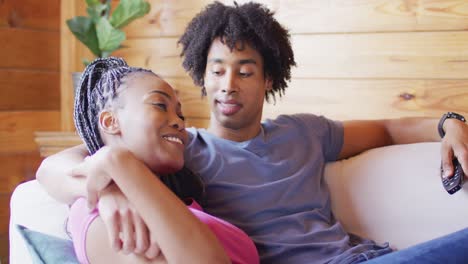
{"x": 100, "y": 31}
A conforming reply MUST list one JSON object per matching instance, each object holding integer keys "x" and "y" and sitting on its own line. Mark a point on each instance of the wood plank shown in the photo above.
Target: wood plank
{"x": 339, "y": 98}
{"x": 169, "y": 19}
{"x": 52, "y": 142}
{"x": 17, "y": 129}
{"x": 420, "y": 55}
{"x": 29, "y": 90}
{"x": 372, "y": 99}
{"x": 417, "y": 55}
{"x": 4, "y": 249}
{"x": 159, "y": 54}
{"x": 4, "y": 226}
{"x": 17, "y": 168}
{"x": 197, "y": 122}
{"x": 4, "y": 212}
{"x": 72, "y": 53}
{"x": 193, "y": 104}
{"x": 165, "y": 19}
{"x": 29, "y": 49}
{"x": 338, "y": 16}
{"x": 31, "y": 14}
{"x": 321, "y": 16}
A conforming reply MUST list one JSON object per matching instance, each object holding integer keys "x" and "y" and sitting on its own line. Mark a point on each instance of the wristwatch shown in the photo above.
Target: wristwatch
{"x": 446, "y": 116}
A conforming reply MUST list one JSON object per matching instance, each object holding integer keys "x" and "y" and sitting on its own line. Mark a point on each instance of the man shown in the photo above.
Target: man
{"x": 266, "y": 178}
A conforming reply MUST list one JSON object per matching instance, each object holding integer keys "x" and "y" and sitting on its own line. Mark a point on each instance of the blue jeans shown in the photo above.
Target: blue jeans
{"x": 449, "y": 249}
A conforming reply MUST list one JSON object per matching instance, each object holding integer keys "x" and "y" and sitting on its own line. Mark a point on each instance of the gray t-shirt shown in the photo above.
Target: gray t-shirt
{"x": 272, "y": 187}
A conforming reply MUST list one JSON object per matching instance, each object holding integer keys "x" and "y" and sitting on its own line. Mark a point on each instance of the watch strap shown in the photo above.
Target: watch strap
{"x": 446, "y": 116}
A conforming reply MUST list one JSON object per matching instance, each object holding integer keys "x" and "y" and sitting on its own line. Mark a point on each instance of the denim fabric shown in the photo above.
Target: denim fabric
{"x": 368, "y": 250}
{"x": 452, "y": 248}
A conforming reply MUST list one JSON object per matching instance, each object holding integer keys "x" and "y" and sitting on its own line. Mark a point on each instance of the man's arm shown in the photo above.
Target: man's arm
{"x": 54, "y": 175}
{"x": 363, "y": 135}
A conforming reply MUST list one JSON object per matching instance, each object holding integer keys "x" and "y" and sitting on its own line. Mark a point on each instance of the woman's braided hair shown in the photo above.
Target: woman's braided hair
{"x": 97, "y": 89}
{"x": 250, "y": 23}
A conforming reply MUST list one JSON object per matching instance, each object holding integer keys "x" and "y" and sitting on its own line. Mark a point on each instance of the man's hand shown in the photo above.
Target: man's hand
{"x": 94, "y": 169}
{"x": 125, "y": 228}
{"x": 454, "y": 144}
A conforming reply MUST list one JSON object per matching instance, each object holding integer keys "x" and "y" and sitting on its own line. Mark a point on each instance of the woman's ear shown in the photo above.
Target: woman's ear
{"x": 108, "y": 122}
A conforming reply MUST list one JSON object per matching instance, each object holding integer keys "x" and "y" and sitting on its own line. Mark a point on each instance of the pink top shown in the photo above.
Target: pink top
{"x": 238, "y": 246}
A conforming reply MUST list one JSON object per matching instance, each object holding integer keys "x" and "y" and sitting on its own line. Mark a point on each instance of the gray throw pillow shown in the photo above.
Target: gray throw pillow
{"x": 47, "y": 249}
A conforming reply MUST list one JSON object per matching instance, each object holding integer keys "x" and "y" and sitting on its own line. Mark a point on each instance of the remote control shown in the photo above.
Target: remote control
{"x": 454, "y": 183}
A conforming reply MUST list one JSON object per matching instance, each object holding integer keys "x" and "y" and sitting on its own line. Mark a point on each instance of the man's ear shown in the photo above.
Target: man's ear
{"x": 108, "y": 122}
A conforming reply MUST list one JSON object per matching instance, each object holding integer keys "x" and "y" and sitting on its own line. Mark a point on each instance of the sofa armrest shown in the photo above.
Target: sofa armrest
{"x": 395, "y": 194}
{"x": 32, "y": 207}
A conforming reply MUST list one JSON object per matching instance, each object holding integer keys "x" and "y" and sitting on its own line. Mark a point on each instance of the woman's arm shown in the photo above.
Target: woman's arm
{"x": 54, "y": 175}
{"x": 179, "y": 234}
{"x": 56, "y": 178}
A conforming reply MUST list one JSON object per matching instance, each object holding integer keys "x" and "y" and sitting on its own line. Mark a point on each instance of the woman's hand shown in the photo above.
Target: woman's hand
{"x": 125, "y": 228}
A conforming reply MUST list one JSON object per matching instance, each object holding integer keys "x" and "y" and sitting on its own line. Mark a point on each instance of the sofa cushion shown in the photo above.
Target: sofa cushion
{"x": 32, "y": 207}
{"x": 394, "y": 194}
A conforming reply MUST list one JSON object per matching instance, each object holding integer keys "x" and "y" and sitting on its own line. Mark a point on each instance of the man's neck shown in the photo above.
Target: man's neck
{"x": 237, "y": 135}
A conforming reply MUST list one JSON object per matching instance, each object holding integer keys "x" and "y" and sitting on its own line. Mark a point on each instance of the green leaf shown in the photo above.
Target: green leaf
{"x": 106, "y": 54}
{"x": 83, "y": 28}
{"x": 97, "y": 11}
{"x": 108, "y": 4}
{"x": 98, "y": 8}
{"x": 109, "y": 37}
{"x": 85, "y": 62}
{"x": 127, "y": 11}
{"x": 93, "y": 2}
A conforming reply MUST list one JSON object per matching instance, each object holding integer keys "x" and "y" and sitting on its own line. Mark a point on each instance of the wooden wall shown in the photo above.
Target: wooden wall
{"x": 376, "y": 59}
{"x": 29, "y": 92}
{"x": 356, "y": 59}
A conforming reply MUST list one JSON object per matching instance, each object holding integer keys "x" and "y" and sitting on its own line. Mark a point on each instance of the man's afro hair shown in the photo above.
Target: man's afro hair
{"x": 250, "y": 23}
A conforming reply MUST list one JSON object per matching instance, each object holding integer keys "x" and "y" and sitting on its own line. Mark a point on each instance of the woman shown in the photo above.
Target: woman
{"x": 132, "y": 124}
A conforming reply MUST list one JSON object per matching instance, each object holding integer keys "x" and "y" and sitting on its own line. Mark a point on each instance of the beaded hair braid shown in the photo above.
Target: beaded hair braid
{"x": 98, "y": 87}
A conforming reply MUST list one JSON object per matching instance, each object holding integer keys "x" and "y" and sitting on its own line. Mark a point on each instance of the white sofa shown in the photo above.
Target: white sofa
{"x": 389, "y": 194}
